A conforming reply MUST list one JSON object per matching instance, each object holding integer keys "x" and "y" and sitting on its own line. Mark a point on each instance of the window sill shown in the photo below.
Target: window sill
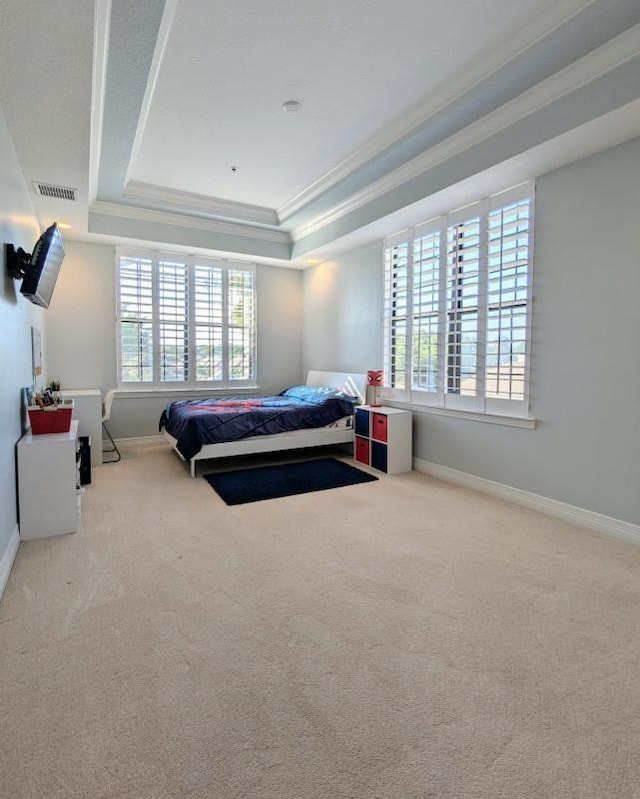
{"x": 149, "y": 393}
{"x": 469, "y": 416}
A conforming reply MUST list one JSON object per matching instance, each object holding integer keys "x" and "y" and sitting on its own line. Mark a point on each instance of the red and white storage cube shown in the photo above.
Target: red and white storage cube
{"x": 383, "y": 439}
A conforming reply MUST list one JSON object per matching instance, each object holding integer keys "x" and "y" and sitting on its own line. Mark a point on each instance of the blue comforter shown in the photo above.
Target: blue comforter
{"x": 194, "y": 423}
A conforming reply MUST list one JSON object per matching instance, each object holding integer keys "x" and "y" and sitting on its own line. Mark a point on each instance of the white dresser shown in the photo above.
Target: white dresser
{"x": 49, "y": 496}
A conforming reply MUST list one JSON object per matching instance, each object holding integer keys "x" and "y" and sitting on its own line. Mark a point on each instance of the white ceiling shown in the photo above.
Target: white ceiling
{"x": 356, "y": 66}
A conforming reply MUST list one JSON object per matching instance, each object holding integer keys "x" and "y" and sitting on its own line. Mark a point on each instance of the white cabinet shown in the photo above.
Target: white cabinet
{"x": 48, "y": 484}
{"x": 87, "y": 409}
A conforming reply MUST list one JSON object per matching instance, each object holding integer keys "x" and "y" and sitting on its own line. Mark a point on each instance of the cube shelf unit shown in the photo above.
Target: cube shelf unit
{"x": 383, "y": 439}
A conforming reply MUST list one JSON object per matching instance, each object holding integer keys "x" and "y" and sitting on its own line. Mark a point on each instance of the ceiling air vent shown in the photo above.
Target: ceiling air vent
{"x": 57, "y": 192}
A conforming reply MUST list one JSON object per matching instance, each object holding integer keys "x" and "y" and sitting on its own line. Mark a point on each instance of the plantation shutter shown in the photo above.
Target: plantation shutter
{"x": 427, "y": 302}
{"x": 508, "y": 296}
{"x": 173, "y": 320}
{"x": 135, "y": 319}
{"x": 208, "y": 321}
{"x": 396, "y": 315}
{"x": 241, "y": 323}
{"x": 463, "y": 309}
{"x": 185, "y": 320}
{"x": 456, "y": 308}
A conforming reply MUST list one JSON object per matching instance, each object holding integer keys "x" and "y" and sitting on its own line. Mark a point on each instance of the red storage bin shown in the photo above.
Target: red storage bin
{"x": 379, "y": 431}
{"x": 57, "y": 420}
{"x": 362, "y": 450}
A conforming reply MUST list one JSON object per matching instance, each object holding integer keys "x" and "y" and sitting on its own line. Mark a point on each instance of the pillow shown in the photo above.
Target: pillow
{"x": 316, "y": 394}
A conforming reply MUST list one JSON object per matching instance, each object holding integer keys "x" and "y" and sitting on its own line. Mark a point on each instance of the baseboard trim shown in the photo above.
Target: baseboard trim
{"x": 138, "y": 439}
{"x": 552, "y": 507}
{"x": 6, "y": 562}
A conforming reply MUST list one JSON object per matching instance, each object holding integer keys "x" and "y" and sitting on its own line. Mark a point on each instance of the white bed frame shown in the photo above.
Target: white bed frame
{"x": 353, "y": 384}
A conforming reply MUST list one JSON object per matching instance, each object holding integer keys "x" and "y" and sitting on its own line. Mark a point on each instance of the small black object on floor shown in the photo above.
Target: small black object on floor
{"x": 271, "y": 482}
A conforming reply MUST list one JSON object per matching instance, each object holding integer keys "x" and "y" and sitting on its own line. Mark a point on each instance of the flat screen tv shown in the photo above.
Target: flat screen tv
{"x": 42, "y": 272}
{"x": 39, "y": 271}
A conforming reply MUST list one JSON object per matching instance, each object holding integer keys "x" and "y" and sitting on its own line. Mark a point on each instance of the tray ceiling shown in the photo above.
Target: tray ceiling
{"x": 355, "y": 66}
{"x": 144, "y": 108}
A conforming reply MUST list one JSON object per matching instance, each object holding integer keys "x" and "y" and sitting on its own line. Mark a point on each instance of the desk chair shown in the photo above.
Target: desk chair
{"x": 106, "y": 416}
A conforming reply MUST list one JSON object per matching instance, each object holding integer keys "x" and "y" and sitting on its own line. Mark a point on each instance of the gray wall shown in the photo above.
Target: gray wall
{"x": 586, "y": 337}
{"x": 82, "y": 318}
{"x": 82, "y": 344}
{"x": 19, "y": 226}
{"x": 342, "y": 312}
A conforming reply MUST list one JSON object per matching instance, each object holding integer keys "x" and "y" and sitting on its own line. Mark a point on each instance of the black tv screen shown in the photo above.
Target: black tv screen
{"x": 43, "y": 268}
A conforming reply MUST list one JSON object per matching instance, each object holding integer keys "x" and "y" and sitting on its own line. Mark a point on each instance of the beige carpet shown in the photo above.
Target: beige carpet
{"x": 402, "y": 639}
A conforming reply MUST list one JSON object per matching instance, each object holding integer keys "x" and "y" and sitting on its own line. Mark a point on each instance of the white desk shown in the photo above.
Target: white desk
{"x": 87, "y": 409}
{"x": 48, "y": 481}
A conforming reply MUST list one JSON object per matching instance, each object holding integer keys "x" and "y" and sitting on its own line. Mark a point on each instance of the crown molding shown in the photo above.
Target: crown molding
{"x": 102, "y": 20}
{"x": 186, "y": 221}
{"x": 539, "y": 26}
{"x": 609, "y": 56}
{"x": 213, "y": 206}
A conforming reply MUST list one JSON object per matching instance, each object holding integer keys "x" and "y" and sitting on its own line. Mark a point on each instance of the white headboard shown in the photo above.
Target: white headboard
{"x": 349, "y": 382}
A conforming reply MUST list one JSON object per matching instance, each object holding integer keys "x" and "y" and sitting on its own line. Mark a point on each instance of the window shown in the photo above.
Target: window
{"x": 185, "y": 320}
{"x": 457, "y": 308}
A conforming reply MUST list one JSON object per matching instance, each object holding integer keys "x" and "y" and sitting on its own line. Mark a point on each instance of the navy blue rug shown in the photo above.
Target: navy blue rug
{"x": 271, "y": 482}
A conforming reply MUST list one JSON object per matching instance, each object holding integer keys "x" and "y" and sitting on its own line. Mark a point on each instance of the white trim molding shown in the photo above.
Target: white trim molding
{"x": 102, "y": 20}
{"x": 184, "y": 220}
{"x": 528, "y": 423}
{"x": 598, "y": 522}
{"x": 204, "y": 204}
{"x": 8, "y": 557}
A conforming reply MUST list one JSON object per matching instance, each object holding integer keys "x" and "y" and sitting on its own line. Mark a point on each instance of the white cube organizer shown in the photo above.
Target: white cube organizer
{"x": 383, "y": 439}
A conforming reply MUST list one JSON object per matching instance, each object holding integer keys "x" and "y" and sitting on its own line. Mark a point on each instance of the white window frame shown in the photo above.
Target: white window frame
{"x": 479, "y": 405}
{"x": 191, "y": 384}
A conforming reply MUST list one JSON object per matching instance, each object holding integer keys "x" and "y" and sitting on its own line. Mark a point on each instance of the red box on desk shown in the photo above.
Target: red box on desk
{"x": 54, "y": 420}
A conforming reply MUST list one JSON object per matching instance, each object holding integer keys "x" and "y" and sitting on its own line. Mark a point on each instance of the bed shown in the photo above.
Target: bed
{"x": 223, "y": 427}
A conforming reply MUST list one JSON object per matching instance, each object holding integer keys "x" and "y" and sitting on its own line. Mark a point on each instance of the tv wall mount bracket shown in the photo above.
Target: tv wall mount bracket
{"x": 17, "y": 261}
